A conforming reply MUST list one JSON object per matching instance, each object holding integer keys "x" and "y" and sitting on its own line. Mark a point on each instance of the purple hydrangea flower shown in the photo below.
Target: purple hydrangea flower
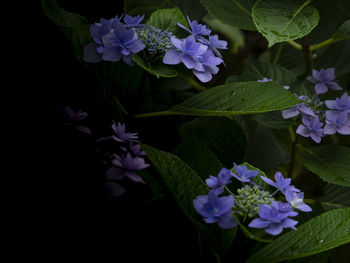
{"x": 282, "y": 184}
{"x": 311, "y": 127}
{"x": 188, "y": 52}
{"x": 295, "y": 110}
{"x": 134, "y": 22}
{"x": 243, "y": 174}
{"x": 72, "y": 118}
{"x": 296, "y": 200}
{"x": 339, "y": 123}
{"x": 209, "y": 63}
{"x": 214, "y": 44}
{"x": 216, "y": 209}
{"x": 324, "y": 80}
{"x": 272, "y": 220}
{"x": 196, "y": 29}
{"x": 135, "y": 149}
{"x": 126, "y": 167}
{"x": 224, "y": 177}
{"x": 121, "y": 43}
{"x": 338, "y": 105}
{"x": 121, "y": 135}
{"x": 284, "y": 208}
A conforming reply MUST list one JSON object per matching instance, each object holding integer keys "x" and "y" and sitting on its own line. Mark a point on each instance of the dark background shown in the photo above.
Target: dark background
{"x": 79, "y": 221}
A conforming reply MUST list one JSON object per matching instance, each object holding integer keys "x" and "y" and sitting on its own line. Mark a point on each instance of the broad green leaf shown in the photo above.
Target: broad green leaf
{"x": 343, "y": 31}
{"x": 335, "y": 196}
{"x": 199, "y": 157}
{"x": 223, "y": 136}
{"x": 159, "y": 70}
{"x": 234, "y": 99}
{"x": 74, "y": 26}
{"x": 264, "y": 149}
{"x": 234, "y": 35}
{"x": 256, "y": 70}
{"x": 330, "y": 162}
{"x": 235, "y": 13}
{"x": 273, "y": 120}
{"x": 167, "y": 19}
{"x": 321, "y": 233}
{"x": 183, "y": 183}
{"x": 280, "y": 21}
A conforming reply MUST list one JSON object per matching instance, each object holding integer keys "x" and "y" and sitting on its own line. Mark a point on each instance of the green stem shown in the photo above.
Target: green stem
{"x": 120, "y": 106}
{"x": 295, "y": 45}
{"x": 278, "y": 53}
{"x": 325, "y": 43}
{"x": 192, "y": 82}
{"x": 307, "y": 56}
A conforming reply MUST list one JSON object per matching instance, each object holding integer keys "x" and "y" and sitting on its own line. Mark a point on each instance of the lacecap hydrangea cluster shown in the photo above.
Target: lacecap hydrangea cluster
{"x": 250, "y": 201}
{"x": 196, "y": 52}
{"x": 130, "y": 158}
{"x": 321, "y": 118}
{"x": 122, "y": 37}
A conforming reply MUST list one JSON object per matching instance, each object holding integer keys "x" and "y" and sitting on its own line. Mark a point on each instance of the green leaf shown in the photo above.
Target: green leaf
{"x": 137, "y": 7}
{"x": 256, "y": 70}
{"x": 335, "y": 196}
{"x": 234, "y": 35}
{"x": 234, "y": 99}
{"x": 167, "y": 19}
{"x": 330, "y": 162}
{"x": 273, "y": 120}
{"x": 343, "y": 31}
{"x": 223, "y": 137}
{"x": 235, "y": 13}
{"x": 74, "y": 26}
{"x": 321, "y": 233}
{"x": 280, "y": 21}
{"x": 159, "y": 70}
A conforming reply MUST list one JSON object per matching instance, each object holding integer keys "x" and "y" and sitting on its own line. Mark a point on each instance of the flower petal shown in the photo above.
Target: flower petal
{"x": 259, "y": 223}
{"x": 227, "y": 221}
{"x": 274, "y": 229}
{"x": 172, "y": 57}
{"x": 321, "y": 88}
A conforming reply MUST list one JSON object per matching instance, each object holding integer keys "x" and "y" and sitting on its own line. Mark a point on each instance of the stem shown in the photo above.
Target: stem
{"x": 278, "y": 53}
{"x": 120, "y": 106}
{"x": 229, "y": 191}
{"x": 293, "y": 161}
{"x": 325, "y": 43}
{"x": 307, "y": 56}
{"x": 295, "y": 45}
{"x": 192, "y": 82}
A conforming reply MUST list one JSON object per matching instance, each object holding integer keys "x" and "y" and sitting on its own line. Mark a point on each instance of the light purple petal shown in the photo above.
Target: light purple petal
{"x": 188, "y": 61}
{"x": 176, "y": 42}
{"x": 306, "y": 110}
{"x": 344, "y": 130}
{"x": 134, "y": 177}
{"x": 274, "y": 229}
{"x": 227, "y": 220}
{"x": 304, "y": 207}
{"x": 84, "y": 129}
{"x": 331, "y": 104}
{"x": 203, "y": 76}
{"x": 268, "y": 181}
{"x": 321, "y": 88}
{"x": 334, "y": 85}
{"x": 327, "y": 74}
{"x": 289, "y": 223}
{"x": 111, "y": 53}
{"x": 330, "y": 129}
{"x": 303, "y": 131}
{"x": 210, "y": 220}
{"x": 172, "y": 57}
{"x": 136, "y": 45}
{"x": 199, "y": 202}
{"x": 90, "y": 54}
{"x": 290, "y": 113}
{"x": 211, "y": 182}
{"x": 259, "y": 223}
{"x": 315, "y": 137}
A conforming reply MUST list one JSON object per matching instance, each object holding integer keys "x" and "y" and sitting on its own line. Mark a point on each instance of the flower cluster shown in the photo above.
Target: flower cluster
{"x": 114, "y": 40}
{"x": 322, "y": 118}
{"x": 250, "y": 201}
{"x": 196, "y": 52}
{"x": 128, "y": 160}
{"x": 156, "y": 40}
{"x": 71, "y": 118}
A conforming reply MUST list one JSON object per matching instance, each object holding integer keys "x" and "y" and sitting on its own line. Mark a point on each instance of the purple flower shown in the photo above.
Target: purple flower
{"x": 134, "y": 22}
{"x": 272, "y": 220}
{"x": 295, "y": 110}
{"x": 311, "y": 127}
{"x": 72, "y": 118}
{"x": 121, "y": 43}
{"x": 296, "y": 200}
{"x": 282, "y": 184}
{"x": 135, "y": 149}
{"x": 126, "y": 167}
{"x": 284, "y": 208}
{"x": 188, "y": 52}
{"x": 339, "y": 123}
{"x": 224, "y": 177}
{"x": 324, "y": 79}
{"x": 209, "y": 63}
{"x": 214, "y": 44}
{"x": 243, "y": 174}
{"x": 338, "y": 105}
{"x": 216, "y": 209}
{"x": 196, "y": 29}
{"x": 121, "y": 135}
